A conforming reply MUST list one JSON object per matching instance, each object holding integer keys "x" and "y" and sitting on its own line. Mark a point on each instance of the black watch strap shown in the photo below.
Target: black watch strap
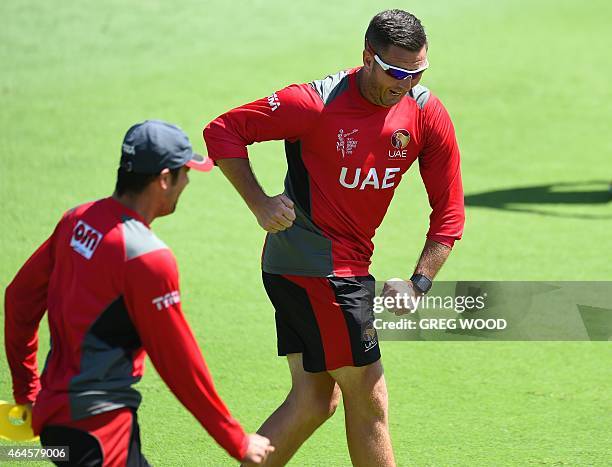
{"x": 421, "y": 283}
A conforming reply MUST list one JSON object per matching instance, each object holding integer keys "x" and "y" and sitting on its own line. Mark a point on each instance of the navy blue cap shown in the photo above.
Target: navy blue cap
{"x": 154, "y": 145}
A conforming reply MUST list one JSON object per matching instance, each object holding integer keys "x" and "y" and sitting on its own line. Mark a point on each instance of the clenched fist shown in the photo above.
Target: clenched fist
{"x": 258, "y": 450}
{"x": 400, "y": 296}
{"x": 275, "y": 213}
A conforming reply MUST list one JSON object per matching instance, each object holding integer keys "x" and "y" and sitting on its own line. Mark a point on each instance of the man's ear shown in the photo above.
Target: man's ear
{"x": 164, "y": 178}
{"x": 368, "y": 60}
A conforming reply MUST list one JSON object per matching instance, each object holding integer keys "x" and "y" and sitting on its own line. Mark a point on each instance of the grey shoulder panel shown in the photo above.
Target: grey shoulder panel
{"x": 139, "y": 240}
{"x": 421, "y": 95}
{"x": 331, "y": 87}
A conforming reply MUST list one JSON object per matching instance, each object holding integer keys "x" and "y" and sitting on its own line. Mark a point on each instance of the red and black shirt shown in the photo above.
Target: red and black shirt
{"x": 345, "y": 158}
{"x": 112, "y": 293}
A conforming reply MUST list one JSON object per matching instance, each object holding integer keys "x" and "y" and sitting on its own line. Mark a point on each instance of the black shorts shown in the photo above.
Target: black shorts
{"x": 111, "y": 438}
{"x": 327, "y": 319}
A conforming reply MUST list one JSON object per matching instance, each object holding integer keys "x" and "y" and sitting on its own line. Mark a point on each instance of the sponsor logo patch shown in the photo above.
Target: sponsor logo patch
{"x": 167, "y": 300}
{"x": 85, "y": 239}
{"x": 274, "y": 102}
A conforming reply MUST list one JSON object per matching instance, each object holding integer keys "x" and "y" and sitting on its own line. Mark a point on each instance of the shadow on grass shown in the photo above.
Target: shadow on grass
{"x": 556, "y": 194}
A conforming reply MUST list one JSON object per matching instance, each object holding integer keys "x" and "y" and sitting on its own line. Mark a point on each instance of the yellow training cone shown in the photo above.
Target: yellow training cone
{"x": 16, "y": 422}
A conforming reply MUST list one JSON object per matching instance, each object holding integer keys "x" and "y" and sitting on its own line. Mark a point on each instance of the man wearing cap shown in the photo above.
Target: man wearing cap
{"x": 111, "y": 290}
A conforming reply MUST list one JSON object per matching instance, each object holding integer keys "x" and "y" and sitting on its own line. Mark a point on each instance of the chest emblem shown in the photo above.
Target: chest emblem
{"x": 346, "y": 143}
{"x": 399, "y": 140}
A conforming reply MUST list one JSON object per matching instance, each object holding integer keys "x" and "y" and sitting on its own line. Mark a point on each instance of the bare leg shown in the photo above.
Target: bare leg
{"x": 364, "y": 392}
{"x": 312, "y": 400}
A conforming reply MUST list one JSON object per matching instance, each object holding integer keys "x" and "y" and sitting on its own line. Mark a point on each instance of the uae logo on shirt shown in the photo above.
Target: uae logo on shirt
{"x": 346, "y": 144}
{"x": 399, "y": 140}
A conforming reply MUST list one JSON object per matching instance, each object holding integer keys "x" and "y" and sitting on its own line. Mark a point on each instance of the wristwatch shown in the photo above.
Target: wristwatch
{"x": 421, "y": 283}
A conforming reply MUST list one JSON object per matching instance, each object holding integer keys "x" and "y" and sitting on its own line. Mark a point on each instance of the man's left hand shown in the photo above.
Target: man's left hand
{"x": 405, "y": 297}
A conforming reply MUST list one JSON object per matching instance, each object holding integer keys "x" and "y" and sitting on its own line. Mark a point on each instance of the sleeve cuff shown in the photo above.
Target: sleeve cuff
{"x": 229, "y": 155}
{"x": 244, "y": 448}
{"x": 443, "y": 239}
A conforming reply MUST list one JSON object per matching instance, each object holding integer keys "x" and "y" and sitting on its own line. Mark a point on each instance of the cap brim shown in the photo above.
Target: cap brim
{"x": 201, "y": 163}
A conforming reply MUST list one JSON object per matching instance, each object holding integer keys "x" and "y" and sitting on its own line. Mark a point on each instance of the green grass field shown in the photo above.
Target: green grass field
{"x": 527, "y": 85}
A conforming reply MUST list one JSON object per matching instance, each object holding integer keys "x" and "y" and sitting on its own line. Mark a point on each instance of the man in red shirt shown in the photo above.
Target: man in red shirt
{"x": 112, "y": 294}
{"x": 349, "y": 139}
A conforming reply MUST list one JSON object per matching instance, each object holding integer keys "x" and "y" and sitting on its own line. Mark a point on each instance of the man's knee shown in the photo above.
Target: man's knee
{"x": 315, "y": 405}
{"x": 364, "y": 390}
{"x": 324, "y": 406}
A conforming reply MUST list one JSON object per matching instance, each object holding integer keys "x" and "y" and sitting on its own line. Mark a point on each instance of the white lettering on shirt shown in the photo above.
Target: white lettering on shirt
{"x": 167, "y": 300}
{"x": 371, "y": 179}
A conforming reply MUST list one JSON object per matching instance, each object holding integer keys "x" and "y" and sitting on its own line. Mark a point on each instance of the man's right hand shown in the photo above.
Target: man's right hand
{"x": 258, "y": 450}
{"x": 275, "y": 213}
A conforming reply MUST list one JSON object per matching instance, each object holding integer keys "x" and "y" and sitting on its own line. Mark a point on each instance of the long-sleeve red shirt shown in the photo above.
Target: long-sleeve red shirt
{"x": 345, "y": 157}
{"x": 112, "y": 293}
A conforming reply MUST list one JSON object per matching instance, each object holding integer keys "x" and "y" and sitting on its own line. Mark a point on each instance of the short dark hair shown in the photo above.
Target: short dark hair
{"x": 135, "y": 183}
{"x": 396, "y": 27}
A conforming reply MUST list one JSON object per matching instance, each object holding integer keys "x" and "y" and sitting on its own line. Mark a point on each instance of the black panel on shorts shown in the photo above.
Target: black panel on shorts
{"x": 84, "y": 449}
{"x": 296, "y": 326}
{"x": 135, "y": 457}
{"x": 355, "y": 295}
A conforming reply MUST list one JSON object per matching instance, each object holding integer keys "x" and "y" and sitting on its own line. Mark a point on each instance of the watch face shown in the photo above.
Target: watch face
{"x": 422, "y": 283}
